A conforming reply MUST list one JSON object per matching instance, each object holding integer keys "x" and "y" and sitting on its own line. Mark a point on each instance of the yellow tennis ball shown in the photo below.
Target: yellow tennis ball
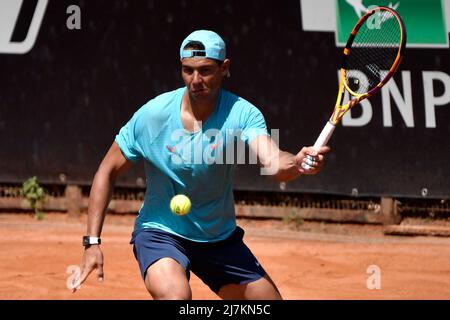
{"x": 180, "y": 204}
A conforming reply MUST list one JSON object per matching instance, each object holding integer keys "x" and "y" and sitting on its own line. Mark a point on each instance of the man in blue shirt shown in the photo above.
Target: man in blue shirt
{"x": 186, "y": 137}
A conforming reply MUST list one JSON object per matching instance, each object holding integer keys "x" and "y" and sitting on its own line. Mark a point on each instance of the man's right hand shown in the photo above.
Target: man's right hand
{"x": 92, "y": 260}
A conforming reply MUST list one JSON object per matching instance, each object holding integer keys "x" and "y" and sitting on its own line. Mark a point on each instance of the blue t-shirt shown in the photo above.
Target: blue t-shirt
{"x": 199, "y": 165}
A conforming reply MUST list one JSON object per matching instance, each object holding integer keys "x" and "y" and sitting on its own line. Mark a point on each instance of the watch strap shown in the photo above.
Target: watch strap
{"x": 89, "y": 240}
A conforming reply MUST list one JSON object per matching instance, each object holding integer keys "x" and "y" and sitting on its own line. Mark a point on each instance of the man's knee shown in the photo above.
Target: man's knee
{"x": 166, "y": 280}
{"x": 262, "y": 289}
{"x": 180, "y": 294}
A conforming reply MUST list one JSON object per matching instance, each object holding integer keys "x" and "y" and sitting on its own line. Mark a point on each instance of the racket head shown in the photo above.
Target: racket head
{"x": 371, "y": 57}
{"x": 373, "y": 52}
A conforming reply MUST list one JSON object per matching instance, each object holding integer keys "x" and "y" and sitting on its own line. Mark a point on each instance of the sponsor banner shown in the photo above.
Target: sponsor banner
{"x": 73, "y": 73}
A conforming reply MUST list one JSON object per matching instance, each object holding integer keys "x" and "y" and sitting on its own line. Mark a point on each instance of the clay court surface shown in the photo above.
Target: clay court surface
{"x": 320, "y": 261}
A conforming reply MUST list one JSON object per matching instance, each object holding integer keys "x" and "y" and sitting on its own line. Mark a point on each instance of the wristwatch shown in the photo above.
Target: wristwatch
{"x": 88, "y": 240}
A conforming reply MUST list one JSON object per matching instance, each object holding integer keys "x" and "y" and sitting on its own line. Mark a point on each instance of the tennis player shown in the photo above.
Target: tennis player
{"x": 163, "y": 133}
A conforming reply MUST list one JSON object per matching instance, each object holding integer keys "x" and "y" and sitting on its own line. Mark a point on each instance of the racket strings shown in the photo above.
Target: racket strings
{"x": 373, "y": 51}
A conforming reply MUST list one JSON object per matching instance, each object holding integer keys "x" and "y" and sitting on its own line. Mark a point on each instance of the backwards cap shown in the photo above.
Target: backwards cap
{"x": 213, "y": 43}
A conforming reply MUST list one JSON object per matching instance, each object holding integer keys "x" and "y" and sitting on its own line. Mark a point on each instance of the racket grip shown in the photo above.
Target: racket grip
{"x": 325, "y": 135}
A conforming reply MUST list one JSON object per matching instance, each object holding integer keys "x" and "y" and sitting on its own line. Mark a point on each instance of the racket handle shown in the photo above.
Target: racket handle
{"x": 325, "y": 135}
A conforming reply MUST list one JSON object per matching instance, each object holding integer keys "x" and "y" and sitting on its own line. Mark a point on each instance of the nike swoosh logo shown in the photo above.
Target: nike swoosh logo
{"x": 171, "y": 150}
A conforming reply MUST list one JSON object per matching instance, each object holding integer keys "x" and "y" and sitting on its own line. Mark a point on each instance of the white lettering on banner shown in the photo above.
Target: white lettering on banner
{"x": 403, "y": 100}
{"x": 431, "y": 101}
{"x": 405, "y": 105}
{"x": 349, "y": 120}
{"x": 74, "y": 20}
{"x": 9, "y": 15}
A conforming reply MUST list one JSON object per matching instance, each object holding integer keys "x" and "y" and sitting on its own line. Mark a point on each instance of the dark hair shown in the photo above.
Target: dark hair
{"x": 197, "y": 45}
{"x": 194, "y": 45}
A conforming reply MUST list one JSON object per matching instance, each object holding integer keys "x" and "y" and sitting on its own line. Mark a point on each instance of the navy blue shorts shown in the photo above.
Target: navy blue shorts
{"x": 216, "y": 264}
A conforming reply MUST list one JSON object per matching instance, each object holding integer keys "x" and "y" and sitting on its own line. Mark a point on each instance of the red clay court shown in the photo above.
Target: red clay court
{"x": 327, "y": 262}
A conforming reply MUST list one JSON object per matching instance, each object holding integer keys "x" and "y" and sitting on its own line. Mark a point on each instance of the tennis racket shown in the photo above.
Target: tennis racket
{"x": 371, "y": 57}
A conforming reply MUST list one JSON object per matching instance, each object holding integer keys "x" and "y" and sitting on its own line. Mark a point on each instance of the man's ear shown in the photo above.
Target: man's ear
{"x": 226, "y": 68}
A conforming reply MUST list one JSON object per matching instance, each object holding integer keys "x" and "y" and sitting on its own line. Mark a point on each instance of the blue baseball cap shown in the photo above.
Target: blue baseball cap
{"x": 214, "y": 46}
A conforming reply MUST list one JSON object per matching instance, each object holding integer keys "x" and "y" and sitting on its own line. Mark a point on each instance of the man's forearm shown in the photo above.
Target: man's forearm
{"x": 99, "y": 198}
{"x": 288, "y": 169}
{"x": 284, "y": 167}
